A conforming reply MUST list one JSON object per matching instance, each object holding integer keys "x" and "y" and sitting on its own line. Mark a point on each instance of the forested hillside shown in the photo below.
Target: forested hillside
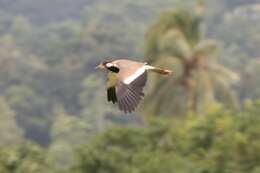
{"x": 53, "y": 102}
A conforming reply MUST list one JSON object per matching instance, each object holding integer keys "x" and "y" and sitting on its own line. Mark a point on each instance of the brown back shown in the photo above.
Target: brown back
{"x": 127, "y": 67}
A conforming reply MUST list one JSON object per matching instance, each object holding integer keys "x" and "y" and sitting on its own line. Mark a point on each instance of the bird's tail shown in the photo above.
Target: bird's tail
{"x": 158, "y": 70}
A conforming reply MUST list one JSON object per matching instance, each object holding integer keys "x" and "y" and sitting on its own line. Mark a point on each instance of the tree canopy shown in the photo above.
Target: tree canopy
{"x": 53, "y": 111}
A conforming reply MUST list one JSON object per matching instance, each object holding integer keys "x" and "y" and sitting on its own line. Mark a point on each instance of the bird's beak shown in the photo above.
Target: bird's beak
{"x": 100, "y": 66}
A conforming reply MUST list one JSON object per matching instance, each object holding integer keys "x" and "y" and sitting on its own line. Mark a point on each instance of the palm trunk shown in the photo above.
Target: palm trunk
{"x": 191, "y": 99}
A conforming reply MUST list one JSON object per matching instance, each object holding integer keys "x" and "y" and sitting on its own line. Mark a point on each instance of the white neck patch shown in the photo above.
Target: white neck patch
{"x": 109, "y": 64}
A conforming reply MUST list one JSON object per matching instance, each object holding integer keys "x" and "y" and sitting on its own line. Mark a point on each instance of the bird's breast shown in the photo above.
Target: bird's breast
{"x": 111, "y": 79}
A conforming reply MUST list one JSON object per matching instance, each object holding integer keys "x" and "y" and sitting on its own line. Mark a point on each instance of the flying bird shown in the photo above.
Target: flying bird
{"x": 126, "y": 80}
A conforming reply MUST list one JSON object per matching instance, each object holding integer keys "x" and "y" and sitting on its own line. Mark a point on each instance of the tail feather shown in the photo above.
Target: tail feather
{"x": 159, "y": 70}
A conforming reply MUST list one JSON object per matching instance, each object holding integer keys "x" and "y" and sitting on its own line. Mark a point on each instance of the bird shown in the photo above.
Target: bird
{"x": 126, "y": 80}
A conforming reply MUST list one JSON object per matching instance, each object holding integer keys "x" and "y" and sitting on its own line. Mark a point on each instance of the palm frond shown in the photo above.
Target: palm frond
{"x": 174, "y": 43}
{"x": 207, "y": 48}
{"x": 224, "y": 74}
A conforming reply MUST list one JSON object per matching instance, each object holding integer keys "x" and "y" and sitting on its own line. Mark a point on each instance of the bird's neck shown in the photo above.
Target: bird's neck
{"x": 113, "y": 69}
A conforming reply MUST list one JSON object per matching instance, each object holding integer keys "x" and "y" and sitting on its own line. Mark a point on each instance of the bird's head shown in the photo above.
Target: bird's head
{"x": 104, "y": 65}
{"x": 108, "y": 65}
{"x": 101, "y": 66}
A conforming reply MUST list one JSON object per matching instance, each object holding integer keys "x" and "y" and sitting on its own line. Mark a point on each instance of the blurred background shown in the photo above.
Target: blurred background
{"x": 54, "y": 117}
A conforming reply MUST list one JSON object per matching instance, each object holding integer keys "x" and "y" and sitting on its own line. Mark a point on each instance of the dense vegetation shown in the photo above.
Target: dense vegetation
{"x": 54, "y": 115}
{"x": 219, "y": 141}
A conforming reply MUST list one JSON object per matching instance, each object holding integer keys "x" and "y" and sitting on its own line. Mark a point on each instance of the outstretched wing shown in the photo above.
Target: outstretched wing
{"x": 128, "y": 95}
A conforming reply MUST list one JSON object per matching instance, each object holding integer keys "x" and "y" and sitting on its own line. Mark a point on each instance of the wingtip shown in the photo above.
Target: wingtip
{"x": 160, "y": 71}
{"x": 168, "y": 72}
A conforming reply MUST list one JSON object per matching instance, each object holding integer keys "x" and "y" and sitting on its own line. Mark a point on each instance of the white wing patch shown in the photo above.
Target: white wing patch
{"x": 138, "y": 73}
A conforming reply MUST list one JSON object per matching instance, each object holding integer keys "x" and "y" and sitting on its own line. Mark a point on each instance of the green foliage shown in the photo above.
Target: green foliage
{"x": 10, "y": 134}
{"x": 92, "y": 112}
{"x": 219, "y": 141}
{"x": 67, "y": 132}
{"x": 51, "y": 95}
{"x": 27, "y": 158}
{"x": 250, "y": 82}
{"x": 30, "y": 111}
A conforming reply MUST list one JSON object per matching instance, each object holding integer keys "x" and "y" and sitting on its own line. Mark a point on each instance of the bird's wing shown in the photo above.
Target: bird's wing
{"x": 130, "y": 94}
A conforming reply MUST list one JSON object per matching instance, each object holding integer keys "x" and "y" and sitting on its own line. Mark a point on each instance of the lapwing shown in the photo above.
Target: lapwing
{"x": 126, "y": 80}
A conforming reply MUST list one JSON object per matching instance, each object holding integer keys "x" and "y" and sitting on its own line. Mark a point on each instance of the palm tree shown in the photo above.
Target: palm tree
{"x": 175, "y": 41}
